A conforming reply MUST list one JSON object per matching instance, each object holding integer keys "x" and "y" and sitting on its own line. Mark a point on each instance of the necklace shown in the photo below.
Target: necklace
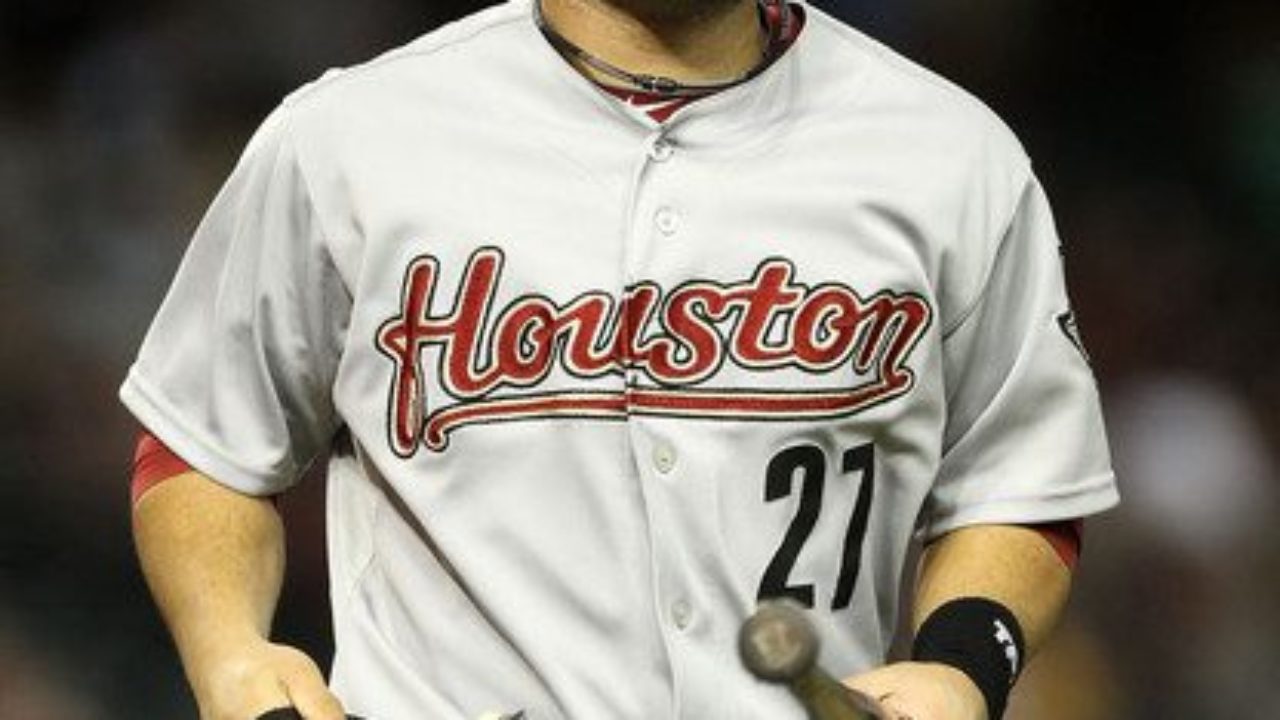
{"x": 657, "y": 84}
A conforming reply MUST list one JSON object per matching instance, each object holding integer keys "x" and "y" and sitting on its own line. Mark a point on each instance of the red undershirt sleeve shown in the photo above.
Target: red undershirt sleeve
{"x": 1066, "y": 537}
{"x": 153, "y": 463}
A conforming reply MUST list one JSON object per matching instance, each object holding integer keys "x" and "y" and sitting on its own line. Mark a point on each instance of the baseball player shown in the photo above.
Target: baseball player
{"x": 611, "y": 319}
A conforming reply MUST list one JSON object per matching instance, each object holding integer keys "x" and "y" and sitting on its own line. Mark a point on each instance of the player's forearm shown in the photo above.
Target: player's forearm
{"x": 214, "y": 560}
{"x": 1009, "y": 564}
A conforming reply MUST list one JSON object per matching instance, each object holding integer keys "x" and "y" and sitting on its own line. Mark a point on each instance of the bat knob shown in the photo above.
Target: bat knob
{"x": 778, "y": 644}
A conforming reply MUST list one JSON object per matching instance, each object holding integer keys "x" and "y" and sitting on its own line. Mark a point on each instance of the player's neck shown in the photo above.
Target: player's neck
{"x": 721, "y": 42}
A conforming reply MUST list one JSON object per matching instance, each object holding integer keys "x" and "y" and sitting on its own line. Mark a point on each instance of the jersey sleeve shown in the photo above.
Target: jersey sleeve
{"x": 235, "y": 373}
{"x": 1024, "y": 439}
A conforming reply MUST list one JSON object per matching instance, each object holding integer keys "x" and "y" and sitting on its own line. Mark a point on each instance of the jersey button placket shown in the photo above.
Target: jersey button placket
{"x": 667, "y": 220}
{"x": 681, "y": 614}
{"x": 661, "y": 149}
{"x": 664, "y": 458}
{"x": 655, "y": 219}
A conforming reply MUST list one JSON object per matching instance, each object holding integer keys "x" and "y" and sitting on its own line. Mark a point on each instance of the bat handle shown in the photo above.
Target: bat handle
{"x": 825, "y": 698}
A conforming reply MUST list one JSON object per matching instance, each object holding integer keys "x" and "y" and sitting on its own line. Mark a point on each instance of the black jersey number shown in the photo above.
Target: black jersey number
{"x": 808, "y": 464}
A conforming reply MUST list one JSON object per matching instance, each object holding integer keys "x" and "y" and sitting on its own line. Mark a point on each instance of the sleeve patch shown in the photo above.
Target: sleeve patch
{"x": 1069, "y": 327}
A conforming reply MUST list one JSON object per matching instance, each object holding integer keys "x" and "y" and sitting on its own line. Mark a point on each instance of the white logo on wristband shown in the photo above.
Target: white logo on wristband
{"x": 1005, "y": 638}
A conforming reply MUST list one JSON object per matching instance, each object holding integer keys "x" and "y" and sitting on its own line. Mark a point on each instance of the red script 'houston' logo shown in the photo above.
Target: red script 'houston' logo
{"x": 677, "y": 339}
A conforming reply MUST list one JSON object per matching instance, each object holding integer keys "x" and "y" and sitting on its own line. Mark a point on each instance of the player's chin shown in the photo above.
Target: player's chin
{"x": 674, "y": 10}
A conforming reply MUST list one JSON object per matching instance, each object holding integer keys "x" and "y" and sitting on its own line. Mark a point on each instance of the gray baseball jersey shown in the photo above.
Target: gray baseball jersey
{"x": 589, "y": 386}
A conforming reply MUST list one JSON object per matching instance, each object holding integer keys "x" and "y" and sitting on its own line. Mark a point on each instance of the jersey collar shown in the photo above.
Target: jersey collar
{"x": 739, "y": 114}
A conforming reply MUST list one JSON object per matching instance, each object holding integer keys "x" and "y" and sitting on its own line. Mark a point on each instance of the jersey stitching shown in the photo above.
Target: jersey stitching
{"x": 1096, "y": 489}
{"x": 166, "y": 412}
{"x": 988, "y": 274}
{"x": 955, "y": 95}
{"x": 367, "y": 564}
{"x": 456, "y": 33}
{"x": 873, "y": 49}
{"x": 335, "y": 421}
{"x": 300, "y": 161}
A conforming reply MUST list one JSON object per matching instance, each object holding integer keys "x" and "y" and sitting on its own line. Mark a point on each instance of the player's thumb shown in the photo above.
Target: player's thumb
{"x": 304, "y": 684}
{"x": 874, "y": 683}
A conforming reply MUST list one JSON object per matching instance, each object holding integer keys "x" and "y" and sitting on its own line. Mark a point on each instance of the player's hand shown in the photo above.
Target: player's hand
{"x": 923, "y": 691}
{"x": 259, "y": 676}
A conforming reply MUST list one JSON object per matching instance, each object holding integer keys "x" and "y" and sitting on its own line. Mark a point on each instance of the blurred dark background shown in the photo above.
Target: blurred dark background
{"x": 1155, "y": 127}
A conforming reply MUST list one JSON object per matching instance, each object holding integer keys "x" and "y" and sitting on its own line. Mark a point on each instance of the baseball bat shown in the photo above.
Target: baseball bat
{"x": 779, "y": 645}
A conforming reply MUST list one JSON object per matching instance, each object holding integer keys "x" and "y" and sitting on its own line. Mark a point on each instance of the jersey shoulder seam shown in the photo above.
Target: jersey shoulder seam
{"x": 876, "y": 50}
{"x": 986, "y": 121}
{"x": 1006, "y": 229}
{"x": 452, "y": 34}
{"x": 299, "y": 160}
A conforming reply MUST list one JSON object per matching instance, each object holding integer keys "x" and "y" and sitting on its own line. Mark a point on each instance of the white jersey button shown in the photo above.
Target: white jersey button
{"x": 664, "y": 458}
{"x": 681, "y": 614}
{"x": 661, "y": 149}
{"x": 667, "y": 220}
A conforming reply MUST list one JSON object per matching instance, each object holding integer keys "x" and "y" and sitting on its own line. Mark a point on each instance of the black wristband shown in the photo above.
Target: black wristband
{"x": 980, "y": 638}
